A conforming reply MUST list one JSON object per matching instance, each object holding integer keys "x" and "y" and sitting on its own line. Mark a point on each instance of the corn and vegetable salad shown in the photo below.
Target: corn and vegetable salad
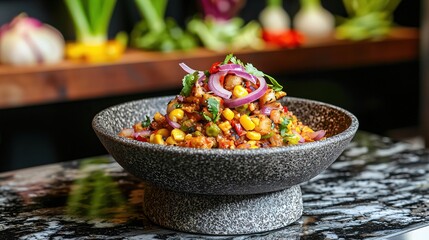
{"x": 229, "y": 106}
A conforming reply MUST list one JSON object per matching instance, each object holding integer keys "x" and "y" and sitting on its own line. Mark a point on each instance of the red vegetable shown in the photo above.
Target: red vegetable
{"x": 214, "y": 68}
{"x": 238, "y": 128}
{"x": 172, "y": 123}
{"x": 289, "y": 38}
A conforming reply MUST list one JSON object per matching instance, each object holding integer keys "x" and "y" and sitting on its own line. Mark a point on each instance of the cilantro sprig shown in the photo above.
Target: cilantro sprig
{"x": 188, "y": 82}
{"x": 254, "y": 71}
{"x": 213, "y": 106}
{"x": 283, "y": 127}
{"x": 146, "y": 122}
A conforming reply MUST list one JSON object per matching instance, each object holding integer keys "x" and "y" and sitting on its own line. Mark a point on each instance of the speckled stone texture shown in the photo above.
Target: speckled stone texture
{"x": 223, "y": 214}
{"x": 225, "y": 171}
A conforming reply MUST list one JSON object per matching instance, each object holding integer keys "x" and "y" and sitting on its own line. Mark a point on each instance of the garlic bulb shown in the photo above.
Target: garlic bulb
{"x": 27, "y": 41}
{"x": 313, "y": 20}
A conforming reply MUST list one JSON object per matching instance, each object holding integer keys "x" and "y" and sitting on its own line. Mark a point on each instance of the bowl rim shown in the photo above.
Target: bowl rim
{"x": 347, "y": 133}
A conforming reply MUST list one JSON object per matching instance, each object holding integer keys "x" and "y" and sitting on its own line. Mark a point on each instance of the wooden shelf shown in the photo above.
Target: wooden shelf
{"x": 142, "y": 71}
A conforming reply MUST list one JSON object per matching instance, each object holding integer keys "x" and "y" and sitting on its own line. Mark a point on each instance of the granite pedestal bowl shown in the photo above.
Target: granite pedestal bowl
{"x": 220, "y": 191}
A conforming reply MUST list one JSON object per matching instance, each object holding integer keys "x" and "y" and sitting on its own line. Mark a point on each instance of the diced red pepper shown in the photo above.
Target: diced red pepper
{"x": 238, "y": 128}
{"x": 214, "y": 68}
{"x": 285, "y": 109}
{"x": 141, "y": 138}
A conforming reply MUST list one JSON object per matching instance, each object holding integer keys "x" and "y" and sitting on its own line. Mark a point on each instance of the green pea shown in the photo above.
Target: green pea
{"x": 213, "y": 130}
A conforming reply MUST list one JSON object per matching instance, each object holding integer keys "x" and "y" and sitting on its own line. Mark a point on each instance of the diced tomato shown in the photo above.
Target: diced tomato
{"x": 285, "y": 109}
{"x": 238, "y": 128}
{"x": 141, "y": 138}
{"x": 214, "y": 68}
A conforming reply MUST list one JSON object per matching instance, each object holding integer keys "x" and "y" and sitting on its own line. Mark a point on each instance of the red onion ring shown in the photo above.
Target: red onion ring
{"x": 236, "y": 102}
{"x": 231, "y": 67}
{"x": 244, "y": 74}
{"x": 317, "y": 135}
{"x": 172, "y": 123}
{"x": 216, "y": 87}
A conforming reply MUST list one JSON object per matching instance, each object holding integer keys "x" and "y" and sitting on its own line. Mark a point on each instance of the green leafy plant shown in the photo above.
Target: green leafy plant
{"x": 369, "y": 19}
{"x": 154, "y": 32}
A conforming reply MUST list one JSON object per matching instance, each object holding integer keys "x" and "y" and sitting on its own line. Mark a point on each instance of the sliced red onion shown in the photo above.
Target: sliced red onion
{"x": 142, "y": 134}
{"x": 317, "y": 135}
{"x": 201, "y": 78}
{"x": 236, "y": 102}
{"x": 231, "y": 67}
{"x": 172, "y": 123}
{"x": 180, "y": 98}
{"x": 244, "y": 74}
{"x": 266, "y": 109}
{"x": 186, "y": 68}
{"x": 301, "y": 138}
{"x": 216, "y": 87}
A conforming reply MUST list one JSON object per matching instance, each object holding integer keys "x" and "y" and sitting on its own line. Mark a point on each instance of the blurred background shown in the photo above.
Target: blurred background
{"x": 385, "y": 96}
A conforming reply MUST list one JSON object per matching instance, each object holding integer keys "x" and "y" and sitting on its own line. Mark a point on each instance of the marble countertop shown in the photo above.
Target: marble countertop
{"x": 377, "y": 187}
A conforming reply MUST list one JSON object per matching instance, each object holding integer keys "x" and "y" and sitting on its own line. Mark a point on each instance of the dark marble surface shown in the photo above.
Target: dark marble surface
{"x": 377, "y": 187}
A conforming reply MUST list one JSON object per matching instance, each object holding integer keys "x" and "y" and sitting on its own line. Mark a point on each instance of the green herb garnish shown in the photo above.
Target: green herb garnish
{"x": 188, "y": 82}
{"x": 274, "y": 84}
{"x": 213, "y": 106}
{"x": 283, "y": 127}
{"x": 146, "y": 122}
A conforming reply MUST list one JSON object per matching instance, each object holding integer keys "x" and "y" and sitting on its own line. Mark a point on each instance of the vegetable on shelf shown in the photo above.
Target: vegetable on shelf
{"x": 276, "y": 23}
{"x": 313, "y": 20}
{"x": 154, "y": 32}
{"x": 219, "y": 28}
{"x": 27, "y": 41}
{"x": 367, "y": 19}
{"x": 91, "y": 19}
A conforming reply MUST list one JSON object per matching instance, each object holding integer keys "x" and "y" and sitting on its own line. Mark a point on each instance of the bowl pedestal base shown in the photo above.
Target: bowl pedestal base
{"x": 223, "y": 214}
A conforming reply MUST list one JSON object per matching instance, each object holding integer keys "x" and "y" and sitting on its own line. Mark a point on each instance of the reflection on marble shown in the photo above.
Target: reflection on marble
{"x": 376, "y": 187}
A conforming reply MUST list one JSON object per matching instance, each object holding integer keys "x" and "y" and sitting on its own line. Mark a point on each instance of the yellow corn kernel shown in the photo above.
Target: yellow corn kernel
{"x": 178, "y": 135}
{"x": 188, "y": 136}
{"x": 252, "y": 135}
{"x": 158, "y": 117}
{"x": 156, "y": 138}
{"x": 247, "y": 123}
{"x": 163, "y": 132}
{"x": 239, "y": 91}
{"x": 252, "y": 142}
{"x": 170, "y": 141}
{"x": 225, "y": 126}
{"x": 254, "y": 147}
{"x": 228, "y": 114}
{"x": 255, "y": 120}
{"x": 176, "y": 115}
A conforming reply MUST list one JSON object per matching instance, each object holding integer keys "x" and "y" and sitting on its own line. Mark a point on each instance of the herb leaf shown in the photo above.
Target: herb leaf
{"x": 213, "y": 106}
{"x": 234, "y": 60}
{"x": 274, "y": 84}
{"x": 252, "y": 70}
{"x": 283, "y": 127}
{"x": 188, "y": 82}
{"x": 146, "y": 122}
{"x": 227, "y": 58}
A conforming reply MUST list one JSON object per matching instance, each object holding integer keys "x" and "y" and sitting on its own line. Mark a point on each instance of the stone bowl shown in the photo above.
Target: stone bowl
{"x": 225, "y": 171}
